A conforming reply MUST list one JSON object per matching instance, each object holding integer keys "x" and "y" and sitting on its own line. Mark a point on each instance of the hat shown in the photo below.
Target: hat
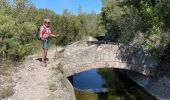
{"x": 46, "y": 21}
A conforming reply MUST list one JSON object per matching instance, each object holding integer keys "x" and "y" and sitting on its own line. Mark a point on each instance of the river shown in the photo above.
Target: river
{"x": 107, "y": 84}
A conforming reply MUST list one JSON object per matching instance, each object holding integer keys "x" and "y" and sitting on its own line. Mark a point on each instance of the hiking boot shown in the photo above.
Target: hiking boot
{"x": 48, "y": 62}
{"x": 44, "y": 64}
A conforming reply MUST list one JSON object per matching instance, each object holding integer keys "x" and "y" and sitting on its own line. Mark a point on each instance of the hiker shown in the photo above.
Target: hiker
{"x": 45, "y": 34}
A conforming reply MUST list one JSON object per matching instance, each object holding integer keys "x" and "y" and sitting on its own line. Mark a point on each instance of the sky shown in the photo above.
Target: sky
{"x": 72, "y": 5}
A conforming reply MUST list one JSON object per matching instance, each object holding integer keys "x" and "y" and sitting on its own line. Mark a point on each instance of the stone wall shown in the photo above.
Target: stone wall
{"x": 84, "y": 55}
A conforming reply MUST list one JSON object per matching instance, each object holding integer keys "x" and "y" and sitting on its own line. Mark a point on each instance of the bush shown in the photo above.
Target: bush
{"x": 15, "y": 38}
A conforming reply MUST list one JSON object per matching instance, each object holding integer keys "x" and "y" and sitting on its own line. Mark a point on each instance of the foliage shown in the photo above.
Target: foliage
{"x": 74, "y": 27}
{"x": 15, "y": 38}
{"x": 20, "y": 21}
{"x": 111, "y": 15}
{"x": 126, "y": 20}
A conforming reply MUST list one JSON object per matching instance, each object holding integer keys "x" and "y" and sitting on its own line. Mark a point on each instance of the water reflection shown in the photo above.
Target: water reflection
{"x": 89, "y": 81}
{"x": 107, "y": 84}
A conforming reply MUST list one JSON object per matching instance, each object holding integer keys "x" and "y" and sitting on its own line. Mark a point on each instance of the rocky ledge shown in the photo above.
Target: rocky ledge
{"x": 158, "y": 87}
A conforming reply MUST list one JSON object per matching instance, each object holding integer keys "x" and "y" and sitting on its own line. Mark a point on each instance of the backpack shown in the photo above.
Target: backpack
{"x": 38, "y": 33}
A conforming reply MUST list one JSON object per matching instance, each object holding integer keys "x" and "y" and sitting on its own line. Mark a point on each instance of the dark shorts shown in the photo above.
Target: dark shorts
{"x": 46, "y": 43}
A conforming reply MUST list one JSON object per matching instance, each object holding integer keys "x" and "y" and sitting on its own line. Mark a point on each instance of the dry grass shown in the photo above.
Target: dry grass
{"x": 6, "y": 91}
{"x": 52, "y": 87}
{"x": 6, "y": 87}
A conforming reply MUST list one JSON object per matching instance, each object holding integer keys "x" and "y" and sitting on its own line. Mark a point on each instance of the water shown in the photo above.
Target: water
{"x": 106, "y": 84}
{"x": 89, "y": 81}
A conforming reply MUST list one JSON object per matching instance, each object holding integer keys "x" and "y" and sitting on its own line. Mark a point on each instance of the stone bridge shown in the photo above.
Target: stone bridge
{"x": 85, "y": 55}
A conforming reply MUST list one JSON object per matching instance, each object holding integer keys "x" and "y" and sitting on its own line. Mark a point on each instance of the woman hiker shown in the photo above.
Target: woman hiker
{"x": 45, "y": 34}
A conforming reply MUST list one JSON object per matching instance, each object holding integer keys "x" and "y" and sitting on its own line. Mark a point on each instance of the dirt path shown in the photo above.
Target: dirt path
{"x": 35, "y": 82}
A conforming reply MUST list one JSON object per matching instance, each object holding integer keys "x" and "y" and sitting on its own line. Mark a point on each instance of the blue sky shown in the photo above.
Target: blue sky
{"x": 72, "y": 5}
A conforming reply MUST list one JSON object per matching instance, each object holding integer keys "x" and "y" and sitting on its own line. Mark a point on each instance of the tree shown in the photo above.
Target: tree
{"x": 17, "y": 30}
{"x": 111, "y": 14}
{"x": 125, "y": 19}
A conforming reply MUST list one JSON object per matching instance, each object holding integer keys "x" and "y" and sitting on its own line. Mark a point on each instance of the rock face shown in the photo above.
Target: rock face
{"x": 84, "y": 55}
{"x": 159, "y": 87}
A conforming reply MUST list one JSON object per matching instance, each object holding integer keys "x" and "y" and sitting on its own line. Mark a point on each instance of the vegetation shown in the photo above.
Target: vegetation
{"x": 140, "y": 23}
{"x": 8, "y": 91}
{"x": 20, "y": 21}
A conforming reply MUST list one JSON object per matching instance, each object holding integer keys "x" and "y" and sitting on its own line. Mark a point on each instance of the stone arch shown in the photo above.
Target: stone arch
{"x": 81, "y": 56}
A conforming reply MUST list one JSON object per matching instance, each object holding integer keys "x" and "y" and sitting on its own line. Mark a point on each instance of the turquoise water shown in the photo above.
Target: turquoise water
{"x": 107, "y": 84}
